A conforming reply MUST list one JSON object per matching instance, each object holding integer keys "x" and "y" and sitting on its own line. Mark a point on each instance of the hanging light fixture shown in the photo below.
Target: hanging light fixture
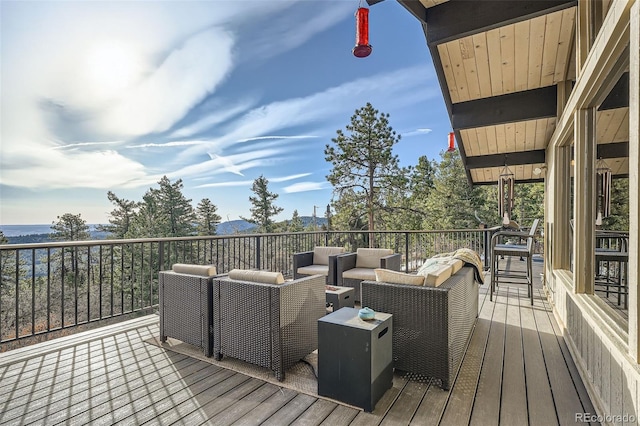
{"x": 506, "y": 198}
{"x": 362, "y": 48}
{"x": 452, "y": 141}
{"x": 603, "y": 191}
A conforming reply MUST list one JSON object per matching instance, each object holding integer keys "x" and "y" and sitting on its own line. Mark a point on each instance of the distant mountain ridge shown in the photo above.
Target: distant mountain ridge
{"x": 25, "y": 234}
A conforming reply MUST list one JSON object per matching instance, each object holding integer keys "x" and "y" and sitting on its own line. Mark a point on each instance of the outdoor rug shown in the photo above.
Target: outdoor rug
{"x": 301, "y": 377}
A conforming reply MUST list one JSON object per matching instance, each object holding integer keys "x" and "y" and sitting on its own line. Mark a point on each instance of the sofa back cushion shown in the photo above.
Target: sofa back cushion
{"x": 370, "y": 257}
{"x": 395, "y": 277}
{"x": 264, "y": 277}
{"x": 321, "y": 254}
{"x": 202, "y": 270}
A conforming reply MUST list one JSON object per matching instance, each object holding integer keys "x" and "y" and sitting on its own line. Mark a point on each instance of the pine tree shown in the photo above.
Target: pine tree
{"x": 295, "y": 224}
{"x": 70, "y": 227}
{"x": 263, "y": 209}
{"x": 364, "y": 166}
{"x": 207, "y": 217}
{"x": 121, "y": 216}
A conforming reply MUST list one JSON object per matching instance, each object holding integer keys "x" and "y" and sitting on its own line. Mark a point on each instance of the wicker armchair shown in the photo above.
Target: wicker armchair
{"x": 431, "y": 325}
{"x": 269, "y": 325}
{"x": 320, "y": 261}
{"x": 185, "y": 304}
{"x": 353, "y": 268}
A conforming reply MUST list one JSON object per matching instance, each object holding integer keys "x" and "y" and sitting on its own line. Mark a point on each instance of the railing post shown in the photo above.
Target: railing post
{"x": 258, "y": 252}
{"x": 326, "y": 238}
{"x": 161, "y": 266}
{"x": 406, "y": 252}
{"x": 487, "y": 248}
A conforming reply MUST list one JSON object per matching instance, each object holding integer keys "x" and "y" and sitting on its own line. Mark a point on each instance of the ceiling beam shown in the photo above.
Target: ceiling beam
{"x": 613, "y": 150}
{"x": 372, "y": 2}
{"x": 509, "y": 108}
{"x": 416, "y": 8}
{"x": 508, "y": 158}
{"x": 461, "y": 18}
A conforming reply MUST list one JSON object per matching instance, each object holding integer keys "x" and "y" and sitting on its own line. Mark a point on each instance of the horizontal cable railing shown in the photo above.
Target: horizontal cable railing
{"x": 47, "y": 287}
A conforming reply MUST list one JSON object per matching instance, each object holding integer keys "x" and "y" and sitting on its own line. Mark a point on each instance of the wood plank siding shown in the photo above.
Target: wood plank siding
{"x": 516, "y": 371}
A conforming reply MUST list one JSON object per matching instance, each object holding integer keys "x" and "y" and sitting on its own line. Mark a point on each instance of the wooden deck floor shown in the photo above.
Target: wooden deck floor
{"x": 517, "y": 371}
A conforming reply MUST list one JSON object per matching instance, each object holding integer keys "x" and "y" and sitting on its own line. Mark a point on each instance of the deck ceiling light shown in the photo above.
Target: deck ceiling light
{"x": 362, "y": 48}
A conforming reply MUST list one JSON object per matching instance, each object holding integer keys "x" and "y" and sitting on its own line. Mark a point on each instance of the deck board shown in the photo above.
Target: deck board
{"x": 517, "y": 370}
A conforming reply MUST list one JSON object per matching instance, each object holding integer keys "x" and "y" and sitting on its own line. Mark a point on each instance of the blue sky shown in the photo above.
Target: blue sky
{"x": 99, "y": 96}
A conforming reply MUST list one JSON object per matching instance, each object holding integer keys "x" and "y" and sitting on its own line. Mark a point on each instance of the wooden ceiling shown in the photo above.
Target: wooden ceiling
{"x": 498, "y": 64}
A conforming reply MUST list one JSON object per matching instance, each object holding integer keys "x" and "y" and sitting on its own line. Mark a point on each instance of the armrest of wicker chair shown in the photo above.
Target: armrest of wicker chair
{"x": 299, "y": 260}
{"x": 391, "y": 262}
{"x": 344, "y": 262}
{"x": 431, "y": 325}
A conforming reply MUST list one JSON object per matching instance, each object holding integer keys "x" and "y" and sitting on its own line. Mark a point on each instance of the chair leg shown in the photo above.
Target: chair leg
{"x": 530, "y": 278}
{"x": 493, "y": 277}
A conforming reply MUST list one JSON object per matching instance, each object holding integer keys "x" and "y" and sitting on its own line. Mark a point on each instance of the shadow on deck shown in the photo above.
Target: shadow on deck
{"x": 517, "y": 371}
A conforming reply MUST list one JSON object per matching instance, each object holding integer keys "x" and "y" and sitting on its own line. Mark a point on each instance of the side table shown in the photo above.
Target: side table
{"x": 339, "y": 297}
{"x": 355, "y": 357}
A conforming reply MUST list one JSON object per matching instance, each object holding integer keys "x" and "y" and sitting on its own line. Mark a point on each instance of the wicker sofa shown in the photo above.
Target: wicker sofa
{"x": 185, "y": 305}
{"x": 269, "y": 325}
{"x": 431, "y": 325}
{"x": 353, "y": 268}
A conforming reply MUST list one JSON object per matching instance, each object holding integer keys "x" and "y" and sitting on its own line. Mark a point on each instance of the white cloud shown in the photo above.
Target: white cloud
{"x": 226, "y": 184}
{"x": 416, "y": 132}
{"x": 304, "y": 187}
{"x": 287, "y": 178}
{"x": 259, "y": 138}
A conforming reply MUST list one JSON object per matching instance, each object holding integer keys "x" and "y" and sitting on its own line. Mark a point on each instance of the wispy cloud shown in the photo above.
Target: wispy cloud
{"x": 305, "y": 186}
{"x": 246, "y": 183}
{"x": 260, "y": 138}
{"x": 292, "y": 177}
{"x": 85, "y": 144}
{"x": 217, "y": 116}
{"x": 416, "y": 132}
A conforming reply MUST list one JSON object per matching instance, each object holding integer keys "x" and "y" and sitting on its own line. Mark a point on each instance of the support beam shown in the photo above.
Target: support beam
{"x": 511, "y": 158}
{"x": 634, "y": 182}
{"x": 584, "y": 200}
{"x": 509, "y": 108}
{"x": 461, "y": 18}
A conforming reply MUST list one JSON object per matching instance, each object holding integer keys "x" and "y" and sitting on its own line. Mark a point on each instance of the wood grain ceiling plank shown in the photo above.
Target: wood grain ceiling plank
{"x": 551, "y": 127}
{"x": 531, "y": 136}
{"x": 508, "y": 58}
{"x": 495, "y": 63}
{"x": 522, "y": 55}
{"x": 536, "y": 46}
{"x": 470, "y": 67}
{"x": 603, "y": 118}
{"x": 510, "y": 136}
{"x": 616, "y": 119}
{"x": 470, "y": 141}
{"x": 567, "y": 31}
{"x": 482, "y": 64}
{"x": 492, "y": 139}
{"x": 623, "y": 131}
{"x": 483, "y": 142}
{"x": 501, "y": 138}
{"x": 550, "y": 52}
{"x": 521, "y": 134}
{"x": 540, "y": 141}
{"x": 455, "y": 56}
{"x": 443, "y": 52}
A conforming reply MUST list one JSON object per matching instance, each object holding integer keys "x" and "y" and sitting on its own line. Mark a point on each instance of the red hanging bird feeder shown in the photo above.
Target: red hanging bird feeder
{"x": 452, "y": 141}
{"x": 362, "y": 48}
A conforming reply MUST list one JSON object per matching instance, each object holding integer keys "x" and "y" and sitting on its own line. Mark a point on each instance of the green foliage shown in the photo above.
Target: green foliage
{"x": 3, "y": 239}
{"x": 207, "y": 217}
{"x": 121, "y": 216}
{"x": 263, "y": 209}
{"x": 70, "y": 227}
{"x": 295, "y": 224}
{"x": 618, "y": 220}
{"x": 365, "y": 171}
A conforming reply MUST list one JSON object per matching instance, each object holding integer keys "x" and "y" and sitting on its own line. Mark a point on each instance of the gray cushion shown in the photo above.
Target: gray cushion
{"x": 321, "y": 254}
{"x": 314, "y": 270}
{"x": 360, "y": 274}
{"x": 264, "y": 277}
{"x": 370, "y": 257}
